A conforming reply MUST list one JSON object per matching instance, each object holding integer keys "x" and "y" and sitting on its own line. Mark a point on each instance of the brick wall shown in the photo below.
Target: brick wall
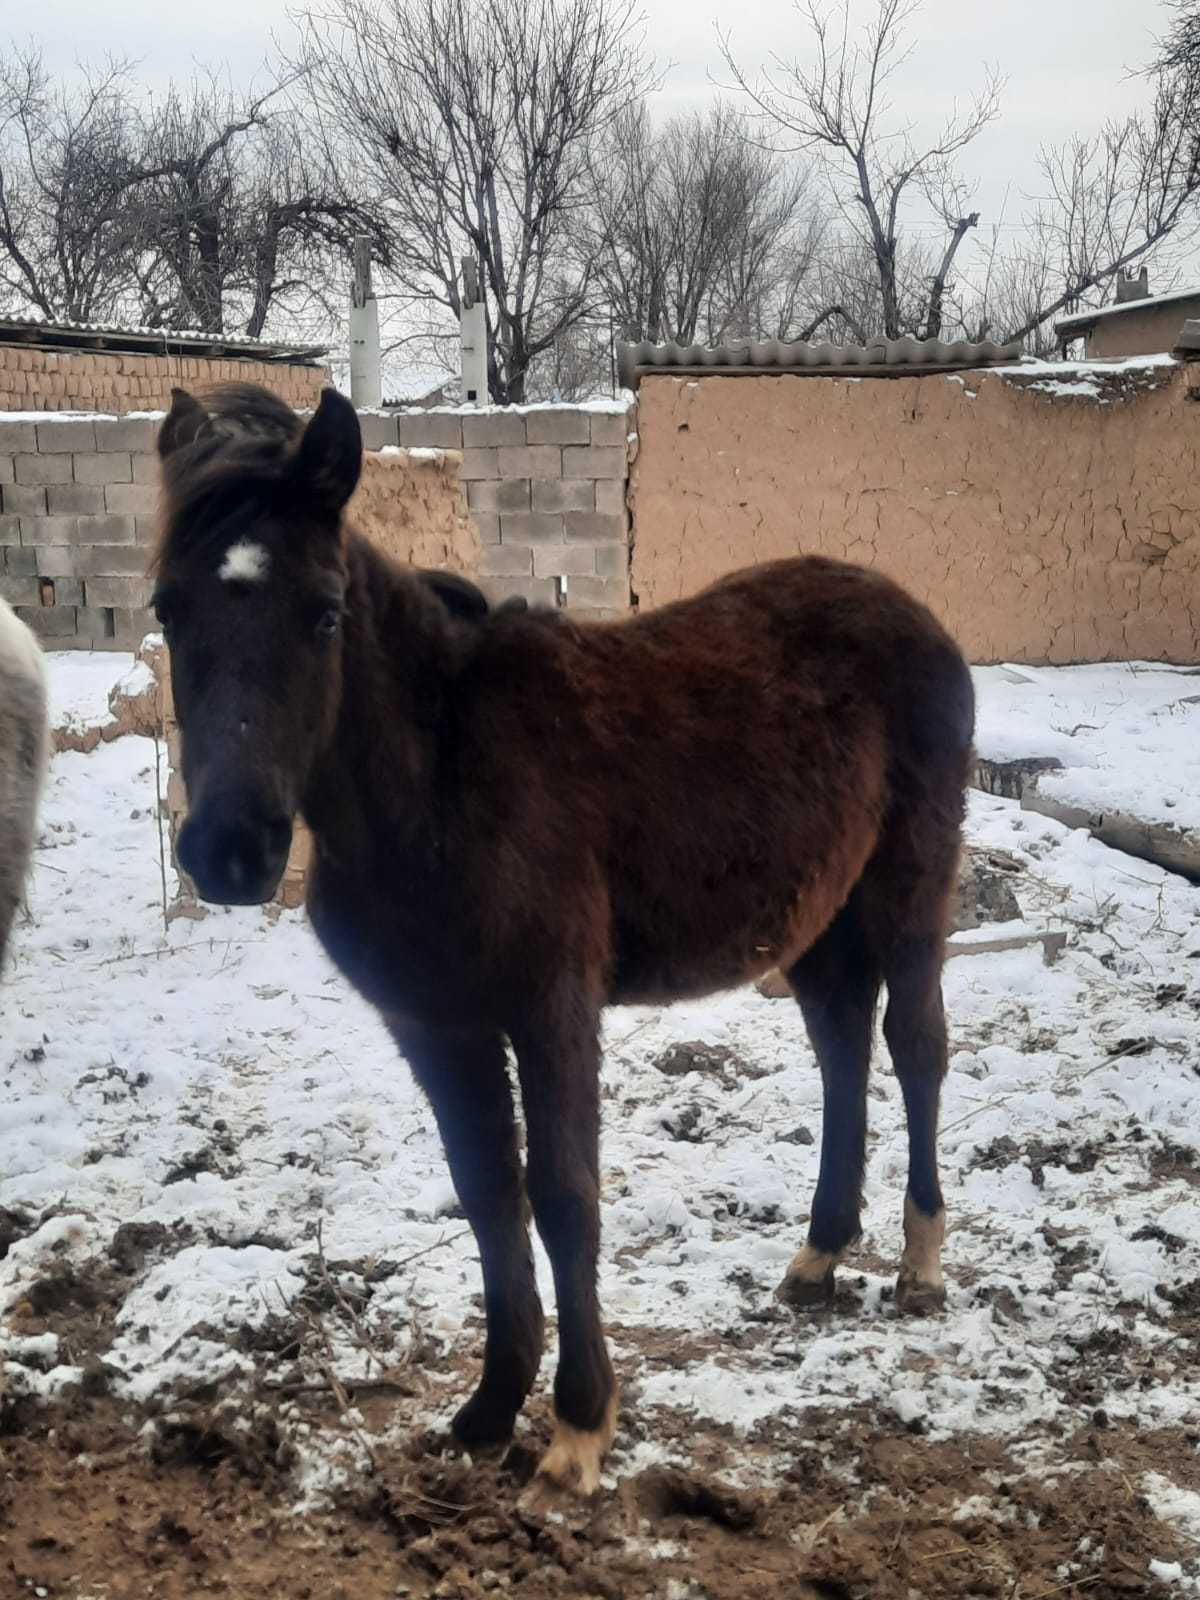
{"x": 78, "y": 502}
{"x": 65, "y": 380}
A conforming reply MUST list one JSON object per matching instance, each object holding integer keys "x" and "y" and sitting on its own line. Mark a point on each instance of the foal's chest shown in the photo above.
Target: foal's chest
{"x": 398, "y": 950}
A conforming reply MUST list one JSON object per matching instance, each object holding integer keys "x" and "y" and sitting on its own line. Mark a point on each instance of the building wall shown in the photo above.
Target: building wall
{"x": 1048, "y": 518}
{"x": 66, "y": 380}
{"x": 1146, "y": 330}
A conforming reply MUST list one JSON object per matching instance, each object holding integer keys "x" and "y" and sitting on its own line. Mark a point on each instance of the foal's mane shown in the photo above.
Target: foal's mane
{"x": 236, "y": 468}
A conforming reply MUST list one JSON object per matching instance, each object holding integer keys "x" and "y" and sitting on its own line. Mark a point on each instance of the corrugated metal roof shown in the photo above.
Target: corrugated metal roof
{"x": 21, "y": 329}
{"x": 883, "y": 358}
{"x": 1083, "y": 320}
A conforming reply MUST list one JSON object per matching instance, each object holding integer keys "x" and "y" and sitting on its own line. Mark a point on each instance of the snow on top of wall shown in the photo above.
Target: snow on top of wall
{"x": 1076, "y": 380}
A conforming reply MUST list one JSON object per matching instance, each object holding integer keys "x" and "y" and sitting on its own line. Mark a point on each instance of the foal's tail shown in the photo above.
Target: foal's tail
{"x": 910, "y": 880}
{"x": 24, "y": 741}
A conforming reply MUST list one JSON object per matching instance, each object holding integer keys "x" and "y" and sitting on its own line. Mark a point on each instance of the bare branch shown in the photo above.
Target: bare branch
{"x": 836, "y": 105}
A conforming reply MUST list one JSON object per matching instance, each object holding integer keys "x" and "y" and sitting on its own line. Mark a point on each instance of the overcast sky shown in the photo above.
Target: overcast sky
{"x": 1067, "y": 62}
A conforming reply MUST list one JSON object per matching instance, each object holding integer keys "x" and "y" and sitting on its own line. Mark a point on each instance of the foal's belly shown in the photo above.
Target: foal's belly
{"x": 718, "y": 940}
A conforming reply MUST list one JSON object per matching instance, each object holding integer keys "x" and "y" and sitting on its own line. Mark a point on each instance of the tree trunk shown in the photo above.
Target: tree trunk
{"x": 937, "y": 290}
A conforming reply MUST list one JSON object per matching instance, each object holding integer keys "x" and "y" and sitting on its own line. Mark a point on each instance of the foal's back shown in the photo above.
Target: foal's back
{"x": 22, "y": 758}
{"x": 723, "y": 769}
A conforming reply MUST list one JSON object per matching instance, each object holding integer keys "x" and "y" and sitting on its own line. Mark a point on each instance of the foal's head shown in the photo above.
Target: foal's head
{"x": 250, "y": 594}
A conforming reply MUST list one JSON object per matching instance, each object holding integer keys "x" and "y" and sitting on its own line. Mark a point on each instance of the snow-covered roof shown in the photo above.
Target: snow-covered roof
{"x": 1083, "y": 320}
{"x": 19, "y": 328}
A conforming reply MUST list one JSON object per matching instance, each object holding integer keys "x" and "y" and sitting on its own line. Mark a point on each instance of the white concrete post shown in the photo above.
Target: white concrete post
{"x": 473, "y": 335}
{"x": 366, "y": 379}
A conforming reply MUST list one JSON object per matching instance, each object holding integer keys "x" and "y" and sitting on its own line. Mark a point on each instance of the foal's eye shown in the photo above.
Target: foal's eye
{"x": 328, "y": 623}
{"x": 164, "y": 608}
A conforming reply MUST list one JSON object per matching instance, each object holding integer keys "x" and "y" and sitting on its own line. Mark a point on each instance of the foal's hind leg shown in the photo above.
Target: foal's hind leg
{"x": 837, "y": 985}
{"x": 914, "y": 1026}
{"x": 558, "y": 1054}
{"x": 464, "y": 1074}
{"x": 906, "y": 894}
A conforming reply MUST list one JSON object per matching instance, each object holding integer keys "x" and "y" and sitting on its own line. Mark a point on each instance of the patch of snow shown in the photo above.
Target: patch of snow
{"x": 79, "y": 684}
{"x": 1174, "y": 1504}
{"x": 1128, "y": 735}
{"x": 1166, "y": 1571}
{"x": 139, "y": 680}
{"x": 422, "y": 453}
{"x": 1145, "y": 303}
{"x": 1033, "y": 365}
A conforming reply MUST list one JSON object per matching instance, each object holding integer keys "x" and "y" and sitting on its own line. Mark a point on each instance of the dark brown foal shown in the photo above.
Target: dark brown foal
{"x": 519, "y": 819}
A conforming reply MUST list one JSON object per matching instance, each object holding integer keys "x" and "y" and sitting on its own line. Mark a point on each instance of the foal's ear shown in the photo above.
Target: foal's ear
{"x": 460, "y": 596}
{"x": 186, "y": 422}
{"x": 329, "y": 460}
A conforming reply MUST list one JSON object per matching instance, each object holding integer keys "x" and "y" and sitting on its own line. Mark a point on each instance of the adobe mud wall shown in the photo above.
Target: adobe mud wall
{"x": 1045, "y": 517}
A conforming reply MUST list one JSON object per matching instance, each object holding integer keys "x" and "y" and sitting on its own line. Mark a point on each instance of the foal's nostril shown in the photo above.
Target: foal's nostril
{"x": 237, "y": 871}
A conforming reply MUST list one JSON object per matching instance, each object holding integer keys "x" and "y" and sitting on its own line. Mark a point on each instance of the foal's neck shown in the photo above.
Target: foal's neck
{"x": 398, "y": 657}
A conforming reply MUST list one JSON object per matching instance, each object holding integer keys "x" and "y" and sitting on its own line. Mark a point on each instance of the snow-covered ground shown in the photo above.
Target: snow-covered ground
{"x": 1128, "y": 737}
{"x": 217, "y": 1078}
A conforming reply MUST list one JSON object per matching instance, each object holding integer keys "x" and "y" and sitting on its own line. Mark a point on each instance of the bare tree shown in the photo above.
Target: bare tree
{"x": 206, "y": 210}
{"x": 243, "y": 215}
{"x": 68, "y": 156}
{"x": 1111, "y": 201}
{"x": 471, "y": 121}
{"x": 1127, "y": 195}
{"x": 839, "y": 108}
{"x": 698, "y": 232}
{"x": 1179, "y": 49}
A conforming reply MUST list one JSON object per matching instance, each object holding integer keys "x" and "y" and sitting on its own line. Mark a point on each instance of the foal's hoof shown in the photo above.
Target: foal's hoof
{"x": 806, "y": 1294}
{"x": 917, "y": 1299}
{"x": 571, "y": 1466}
{"x": 481, "y": 1425}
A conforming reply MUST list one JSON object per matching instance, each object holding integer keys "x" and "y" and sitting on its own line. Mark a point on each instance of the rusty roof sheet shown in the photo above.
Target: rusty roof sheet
{"x": 18, "y": 328}
{"x": 882, "y": 358}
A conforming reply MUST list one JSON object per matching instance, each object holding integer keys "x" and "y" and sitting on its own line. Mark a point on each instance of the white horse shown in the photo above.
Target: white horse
{"x": 24, "y": 740}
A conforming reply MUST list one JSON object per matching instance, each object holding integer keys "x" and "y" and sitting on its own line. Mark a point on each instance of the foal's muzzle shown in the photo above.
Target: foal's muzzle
{"x": 235, "y": 855}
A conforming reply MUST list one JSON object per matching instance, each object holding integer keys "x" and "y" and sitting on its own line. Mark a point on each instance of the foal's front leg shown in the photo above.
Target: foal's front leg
{"x": 558, "y": 1055}
{"x": 464, "y": 1074}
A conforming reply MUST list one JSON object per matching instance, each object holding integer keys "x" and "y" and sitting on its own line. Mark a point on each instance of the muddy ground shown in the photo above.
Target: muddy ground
{"x": 100, "y": 1500}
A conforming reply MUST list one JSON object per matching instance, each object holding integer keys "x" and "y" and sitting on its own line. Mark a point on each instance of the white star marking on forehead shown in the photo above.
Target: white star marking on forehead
{"x": 245, "y": 562}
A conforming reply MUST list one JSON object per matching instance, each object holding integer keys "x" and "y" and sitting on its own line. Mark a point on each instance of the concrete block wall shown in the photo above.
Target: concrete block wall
{"x": 78, "y": 513}
{"x": 547, "y": 490}
{"x": 544, "y": 487}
